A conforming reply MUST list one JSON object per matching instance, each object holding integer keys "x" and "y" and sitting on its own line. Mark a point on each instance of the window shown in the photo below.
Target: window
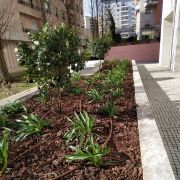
{"x": 147, "y": 23}
{"x": 148, "y": 11}
{"x": 34, "y": 26}
{"x": 46, "y": 4}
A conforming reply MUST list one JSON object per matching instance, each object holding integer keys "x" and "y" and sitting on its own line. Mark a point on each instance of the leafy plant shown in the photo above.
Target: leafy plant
{"x": 116, "y": 92}
{"x": 101, "y": 46}
{"x": 43, "y": 97}
{"x": 114, "y": 77}
{"x": 93, "y": 153}
{"x": 5, "y": 123}
{"x": 29, "y": 125}
{"x": 4, "y": 150}
{"x": 48, "y": 57}
{"x": 3, "y": 120}
{"x": 76, "y": 76}
{"x": 112, "y": 28}
{"x": 109, "y": 109}
{"x": 13, "y": 108}
{"x": 81, "y": 127}
{"x": 94, "y": 95}
{"x": 76, "y": 90}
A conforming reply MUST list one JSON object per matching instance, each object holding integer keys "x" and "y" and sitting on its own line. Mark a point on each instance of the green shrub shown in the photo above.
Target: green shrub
{"x": 29, "y": 125}
{"x": 5, "y": 123}
{"x": 13, "y": 108}
{"x": 93, "y": 153}
{"x": 75, "y": 90}
{"x": 4, "y": 151}
{"x": 76, "y": 76}
{"x": 81, "y": 127}
{"x": 3, "y": 120}
{"x": 101, "y": 46}
{"x": 94, "y": 95}
{"x": 114, "y": 78}
{"x": 49, "y": 61}
{"x": 109, "y": 109}
{"x": 118, "y": 92}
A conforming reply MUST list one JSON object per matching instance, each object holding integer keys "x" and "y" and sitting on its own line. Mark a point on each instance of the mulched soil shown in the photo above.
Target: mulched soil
{"x": 42, "y": 157}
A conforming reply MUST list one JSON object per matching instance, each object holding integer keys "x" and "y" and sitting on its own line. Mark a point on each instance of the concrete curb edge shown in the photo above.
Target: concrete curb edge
{"x": 19, "y": 96}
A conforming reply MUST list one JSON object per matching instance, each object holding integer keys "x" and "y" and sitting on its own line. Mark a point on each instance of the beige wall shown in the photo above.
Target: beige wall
{"x": 11, "y": 59}
{"x": 26, "y": 17}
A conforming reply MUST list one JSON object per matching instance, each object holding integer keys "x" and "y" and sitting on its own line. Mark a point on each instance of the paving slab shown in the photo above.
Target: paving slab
{"x": 155, "y": 162}
{"x": 169, "y": 81}
{"x": 165, "y": 112}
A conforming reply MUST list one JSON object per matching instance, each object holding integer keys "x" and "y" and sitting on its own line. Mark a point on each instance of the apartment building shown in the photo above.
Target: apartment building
{"x": 123, "y": 12}
{"x": 30, "y": 16}
{"x": 170, "y": 35}
{"x": 148, "y": 16}
{"x": 90, "y": 26}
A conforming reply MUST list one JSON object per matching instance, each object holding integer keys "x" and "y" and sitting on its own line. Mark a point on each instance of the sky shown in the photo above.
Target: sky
{"x": 86, "y": 8}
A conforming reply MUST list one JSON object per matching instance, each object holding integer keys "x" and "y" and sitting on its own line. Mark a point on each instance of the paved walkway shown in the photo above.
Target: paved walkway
{"x": 164, "y": 100}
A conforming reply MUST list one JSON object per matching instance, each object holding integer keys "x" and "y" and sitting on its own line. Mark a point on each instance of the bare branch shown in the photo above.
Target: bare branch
{"x": 6, "y": 13}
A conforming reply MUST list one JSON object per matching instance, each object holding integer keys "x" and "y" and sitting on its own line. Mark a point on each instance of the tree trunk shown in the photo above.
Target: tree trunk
{"x": 97, "y": 18}
{"x": 102, "y": 18}
{"x": 43, "y": 12}
{"x": 4, "y": 74}
{"x": 92, "y": 20}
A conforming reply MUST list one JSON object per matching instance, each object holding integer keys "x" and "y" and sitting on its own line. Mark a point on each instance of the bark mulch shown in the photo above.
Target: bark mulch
{"x": 42, "y": 157}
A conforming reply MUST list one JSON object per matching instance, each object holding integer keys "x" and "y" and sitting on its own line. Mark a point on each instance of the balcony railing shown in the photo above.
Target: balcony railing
{"x": 150, "y": 3}
{"x": 29, "y": 4}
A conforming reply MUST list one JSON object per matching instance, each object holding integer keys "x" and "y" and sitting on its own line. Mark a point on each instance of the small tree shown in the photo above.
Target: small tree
{"x": 112, "y": 28}
{"x": 49, "y": 58}
{"x": 100, "y": 47}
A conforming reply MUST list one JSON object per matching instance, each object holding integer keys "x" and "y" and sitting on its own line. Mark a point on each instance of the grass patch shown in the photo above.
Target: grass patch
{"x": 15, "y": 88}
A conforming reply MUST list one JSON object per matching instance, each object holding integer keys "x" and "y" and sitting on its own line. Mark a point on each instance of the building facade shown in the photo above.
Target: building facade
{"x": 170, "y": 35}
{"x": 30, "y": 16}
{"x": 148, "y": 15}
{"x": 123, "y": 12}
{"x": 91, "y": 27}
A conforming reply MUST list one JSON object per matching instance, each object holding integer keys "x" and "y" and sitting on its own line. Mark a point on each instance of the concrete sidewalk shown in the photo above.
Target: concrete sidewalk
{"x": 163, "y": 91}
{"x": 168, "y": 81}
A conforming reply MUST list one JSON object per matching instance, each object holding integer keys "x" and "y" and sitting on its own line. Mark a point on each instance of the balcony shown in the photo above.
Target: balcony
{"x": 29, "y": 4}
{"x": 150, "y": 3}
{"x": 124, "y": 14}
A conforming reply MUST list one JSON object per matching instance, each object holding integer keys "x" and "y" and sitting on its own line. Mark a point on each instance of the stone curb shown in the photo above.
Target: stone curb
{"x": 19, "y": 96}
{"x": 155, "y": 162}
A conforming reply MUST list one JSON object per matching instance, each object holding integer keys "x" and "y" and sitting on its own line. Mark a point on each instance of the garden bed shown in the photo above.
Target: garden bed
{"x": 43, "y": 156}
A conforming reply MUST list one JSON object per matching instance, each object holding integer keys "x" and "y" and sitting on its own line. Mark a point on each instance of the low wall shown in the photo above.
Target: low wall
{"x": 139, "y": 52}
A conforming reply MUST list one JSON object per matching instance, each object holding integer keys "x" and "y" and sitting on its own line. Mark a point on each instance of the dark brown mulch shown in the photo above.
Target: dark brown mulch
{"x": 42, "y": 157}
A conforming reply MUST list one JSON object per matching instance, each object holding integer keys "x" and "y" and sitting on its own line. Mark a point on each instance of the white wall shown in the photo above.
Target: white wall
{"x": 170, "y": 35}
{"x": 175, "y": 66}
